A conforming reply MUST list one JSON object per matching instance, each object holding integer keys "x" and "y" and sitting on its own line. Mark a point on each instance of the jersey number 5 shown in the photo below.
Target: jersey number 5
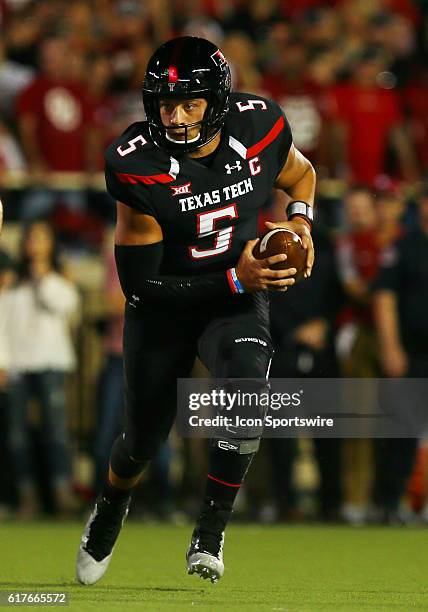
{"x": 206, "y": 227}
{"x": 251, "y": 105}
{"x": 132, "y": 145}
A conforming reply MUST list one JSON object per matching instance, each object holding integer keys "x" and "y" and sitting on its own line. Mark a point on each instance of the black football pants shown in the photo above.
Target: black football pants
{"x": 160, "y": 345}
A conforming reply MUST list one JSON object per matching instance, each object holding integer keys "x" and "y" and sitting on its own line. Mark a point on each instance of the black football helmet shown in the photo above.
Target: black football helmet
{"x": 187, "y": 67}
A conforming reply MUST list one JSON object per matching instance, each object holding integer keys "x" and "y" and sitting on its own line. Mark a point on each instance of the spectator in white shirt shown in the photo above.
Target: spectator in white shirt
{"x": 36, "y": 327}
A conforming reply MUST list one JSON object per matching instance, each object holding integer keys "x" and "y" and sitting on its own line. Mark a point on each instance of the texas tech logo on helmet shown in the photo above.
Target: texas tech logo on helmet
{"x": 218, "y": 58}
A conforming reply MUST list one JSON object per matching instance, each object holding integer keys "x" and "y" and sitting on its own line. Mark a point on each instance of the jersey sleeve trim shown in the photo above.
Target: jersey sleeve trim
{"x": 134, "y": 179}
{"x": 268, "y": 139}
{"x": 152, "y": 179}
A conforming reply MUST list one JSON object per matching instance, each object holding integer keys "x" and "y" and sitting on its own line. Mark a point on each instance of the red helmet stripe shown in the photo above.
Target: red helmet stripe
{"x": 172, "y": 74}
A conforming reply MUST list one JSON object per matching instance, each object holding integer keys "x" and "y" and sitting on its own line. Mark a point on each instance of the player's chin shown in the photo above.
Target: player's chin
{"x": 178, "y": 135}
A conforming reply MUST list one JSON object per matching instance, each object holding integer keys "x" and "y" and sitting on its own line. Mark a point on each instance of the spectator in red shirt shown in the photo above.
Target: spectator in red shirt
{"x": 55, "y": 125}
{"x": 54, "y": 115}
{"x": 358, "y": 261}
{"x": 373, "y": 224}
{"x": 368, "y": 119}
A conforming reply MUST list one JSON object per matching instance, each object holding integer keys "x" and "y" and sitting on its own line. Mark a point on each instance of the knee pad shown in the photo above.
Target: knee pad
{"x": 246, "y": 415}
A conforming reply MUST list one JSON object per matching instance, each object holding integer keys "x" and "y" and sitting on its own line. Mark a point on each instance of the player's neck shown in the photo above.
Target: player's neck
{"x": 207, "y": 149}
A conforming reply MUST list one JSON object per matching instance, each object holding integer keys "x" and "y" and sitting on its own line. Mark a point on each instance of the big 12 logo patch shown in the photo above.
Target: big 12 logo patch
{"x": 181, "y": 189}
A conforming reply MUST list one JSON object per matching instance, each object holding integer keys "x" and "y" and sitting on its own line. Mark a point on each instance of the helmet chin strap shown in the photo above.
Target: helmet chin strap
{"x": 183, "y": 142}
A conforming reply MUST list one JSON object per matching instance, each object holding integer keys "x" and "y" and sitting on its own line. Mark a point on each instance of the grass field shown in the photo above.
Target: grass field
{"x": 290, "y": 569}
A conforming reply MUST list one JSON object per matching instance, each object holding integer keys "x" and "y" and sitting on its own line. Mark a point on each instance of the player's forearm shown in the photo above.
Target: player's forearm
{"x": 185, "y": 289}
{"x": 386, "y": 318}
{"x": 138, "y": 270}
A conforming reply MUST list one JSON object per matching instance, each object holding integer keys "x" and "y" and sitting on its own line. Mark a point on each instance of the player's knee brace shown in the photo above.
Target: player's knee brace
{"x": 123, "y": 464}
{"x": 244, "y": 369}
{"x": 246, "y": 414}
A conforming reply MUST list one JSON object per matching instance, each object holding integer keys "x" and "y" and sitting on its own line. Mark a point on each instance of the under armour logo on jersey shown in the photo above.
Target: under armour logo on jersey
{"x": 180, "y": 189}
{"x": 237, "y": 167}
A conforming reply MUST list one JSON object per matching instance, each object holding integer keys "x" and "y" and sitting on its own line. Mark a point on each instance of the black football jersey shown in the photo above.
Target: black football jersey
{"x": 207, "y": 209}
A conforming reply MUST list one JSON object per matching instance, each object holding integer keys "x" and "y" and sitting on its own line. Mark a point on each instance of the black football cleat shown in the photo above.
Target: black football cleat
{"x": 205, "y": 554}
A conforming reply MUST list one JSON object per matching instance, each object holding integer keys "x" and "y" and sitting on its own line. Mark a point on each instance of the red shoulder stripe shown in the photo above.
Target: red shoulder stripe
{"x": 147, "y": 180}
{"x": 264, "y": 142}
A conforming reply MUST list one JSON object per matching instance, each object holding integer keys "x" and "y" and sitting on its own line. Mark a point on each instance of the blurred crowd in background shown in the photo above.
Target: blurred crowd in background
{"x": 352, "y": 78}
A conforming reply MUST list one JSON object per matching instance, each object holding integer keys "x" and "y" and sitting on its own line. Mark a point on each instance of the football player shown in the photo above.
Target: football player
{"x": 189, "y": 183}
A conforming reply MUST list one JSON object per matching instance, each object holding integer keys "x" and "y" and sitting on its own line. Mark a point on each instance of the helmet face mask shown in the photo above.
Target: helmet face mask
{"x": 187, "y": 68}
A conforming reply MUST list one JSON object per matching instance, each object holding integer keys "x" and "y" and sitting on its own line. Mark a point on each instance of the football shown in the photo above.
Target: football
{"x": 278, "y": 241}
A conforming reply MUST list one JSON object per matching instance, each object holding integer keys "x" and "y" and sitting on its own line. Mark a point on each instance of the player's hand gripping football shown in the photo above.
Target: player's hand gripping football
{"x": 301, "y": 228}
{"x": 256, "y": 275}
